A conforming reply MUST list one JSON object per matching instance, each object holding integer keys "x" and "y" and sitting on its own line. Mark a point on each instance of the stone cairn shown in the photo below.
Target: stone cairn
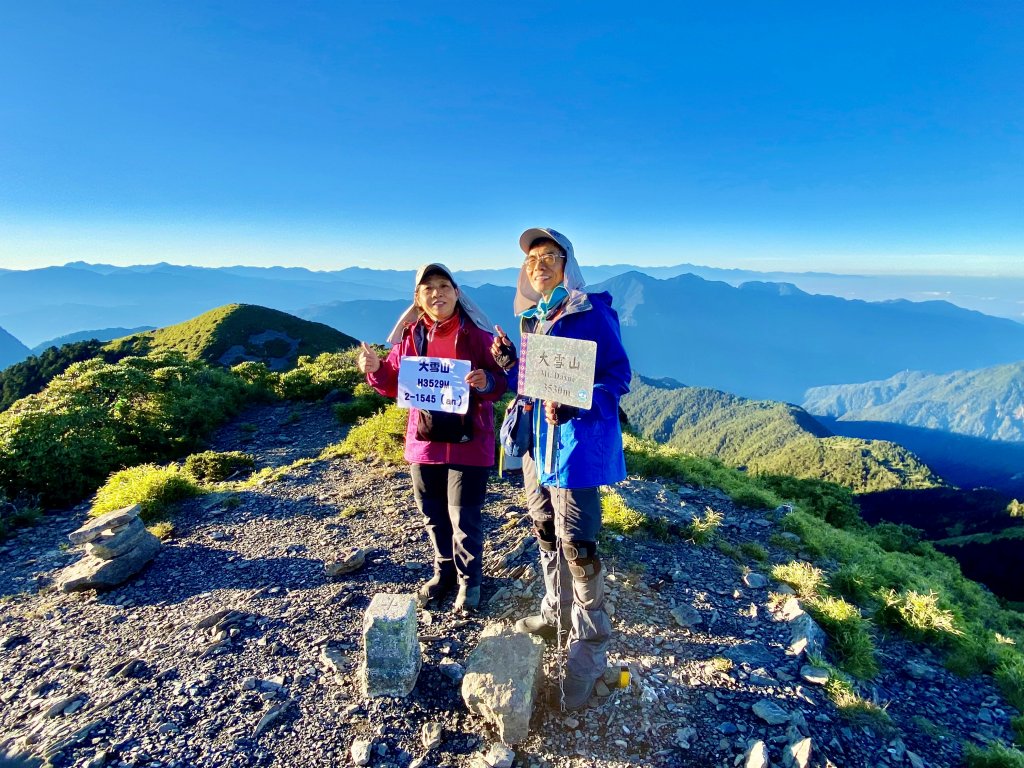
{"x": 391, "y": 646}
{"x": 117, "y": 546}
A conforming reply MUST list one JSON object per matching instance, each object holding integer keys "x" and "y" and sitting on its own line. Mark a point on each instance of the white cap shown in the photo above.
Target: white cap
{"x": 535, "y": 233}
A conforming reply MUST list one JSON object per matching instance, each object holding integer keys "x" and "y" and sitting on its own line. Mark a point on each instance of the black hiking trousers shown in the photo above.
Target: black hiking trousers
{"x": 450, "y": 497}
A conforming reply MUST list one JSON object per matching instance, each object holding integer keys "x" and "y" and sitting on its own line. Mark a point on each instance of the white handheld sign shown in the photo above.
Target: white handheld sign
{"x": 558, "y": 370}
{"x": 433, "y": 384}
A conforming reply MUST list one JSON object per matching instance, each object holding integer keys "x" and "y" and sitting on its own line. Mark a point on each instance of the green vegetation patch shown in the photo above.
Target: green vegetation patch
{"x": 851, "y": 644}
{"x": 163, "y": 530}
{"x": 829, "y": 501}
{"x": 754, "y": 551}
{"x": 314, "y": 377}
{"x": 364, "y": 403}
{"x": 1009, "y": 674}
{"x": 619, "y": 517}
{"x": 33, "y": 374}
{"x": 768, "y": 438}
{"x": 97, "y": 417}
{"x": 994, "y": 755}
{"x": 648, "y": 458}
{"x": 919, "y": 615}
{"x": 979, "y": 634}
{"x": 806, "y": 579}
{"x": 210, "y": 466}
{"x": 156, "y": 489}
{"x": 852, "y": 705}
{"x": 17, "y": 512}
{"x": 703, "y": 528}
{"x": 381, "y": 435}
{"x": 213, "y": 334}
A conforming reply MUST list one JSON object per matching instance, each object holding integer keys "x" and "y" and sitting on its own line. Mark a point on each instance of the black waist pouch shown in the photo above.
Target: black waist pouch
{"x": 442, "y": 427}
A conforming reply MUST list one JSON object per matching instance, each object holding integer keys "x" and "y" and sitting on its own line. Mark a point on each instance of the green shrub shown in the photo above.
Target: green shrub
{"x": 619, "y": 517}
{"x": 851, "y": 646}
{"x": 784, "y": 542}
{"x": 719, "y": 664}
{"x": 728, "y": 550}
{"x": 381, "y": 435}
{"x": 918, "y": 615}
{"x": 18, "y": 512}
{"x": 852, "y": 705}
{"x": 754, "y": 551}
{"x": 349, "y": 512}
{"x": 362, "y": 406}
{"x": 313, "y": 378}
{"x": 1009, "y": 674}
{"x": 972, "y": 654}
{"x": 703, "y": 528}
{"x": 154, "y": 488}
{"x": 260, "y": 379}
{"x": 210, "y": 466}
{"x": 828, "y": 501}
{"x": 163, "y": 530}
{"x": 994, "y": 755}
{"x": 97, "y": 417}
{"x": 807, "y": 580}
{"x": 894, "y": 537}
{"x": 856, "y": 582}
{"x": 930, "y": 728}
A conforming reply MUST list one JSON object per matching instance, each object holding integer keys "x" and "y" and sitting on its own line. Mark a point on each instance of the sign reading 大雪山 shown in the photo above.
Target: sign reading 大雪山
{"x": 557, "y": 369}
{"x": 433, "y": 384}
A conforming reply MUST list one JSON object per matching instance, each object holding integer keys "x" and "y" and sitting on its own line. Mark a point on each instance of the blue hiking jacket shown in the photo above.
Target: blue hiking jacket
{"x": 589, "y": 451}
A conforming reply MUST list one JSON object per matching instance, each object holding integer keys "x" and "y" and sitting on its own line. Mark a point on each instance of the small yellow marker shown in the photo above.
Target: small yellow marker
{"x": 624, "y": 677}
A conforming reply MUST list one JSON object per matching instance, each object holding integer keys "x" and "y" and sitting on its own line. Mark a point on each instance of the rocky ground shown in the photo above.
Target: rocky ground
{"x": 234, "y": 648}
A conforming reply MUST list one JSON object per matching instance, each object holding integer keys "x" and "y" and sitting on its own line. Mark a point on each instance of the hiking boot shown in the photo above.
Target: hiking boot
{"x": 536, "y": 625}
{"x": 434, "y": 589}
{"x": 467, "y": 600}
{"x": 574, "y": 693}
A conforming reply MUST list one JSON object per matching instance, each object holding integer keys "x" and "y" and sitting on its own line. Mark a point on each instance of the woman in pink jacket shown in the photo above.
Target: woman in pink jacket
{"x": 450, "y": 455}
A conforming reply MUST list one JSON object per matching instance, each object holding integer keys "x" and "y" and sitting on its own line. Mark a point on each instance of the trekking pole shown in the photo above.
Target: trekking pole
{"x": 560, "y": 651}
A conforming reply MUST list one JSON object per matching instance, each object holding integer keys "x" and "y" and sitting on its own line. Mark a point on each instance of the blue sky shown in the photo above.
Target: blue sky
{"x": 865, "y": 137}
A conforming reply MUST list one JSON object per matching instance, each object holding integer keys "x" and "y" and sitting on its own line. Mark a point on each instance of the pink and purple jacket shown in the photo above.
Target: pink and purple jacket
{"x": 471, "y": 343}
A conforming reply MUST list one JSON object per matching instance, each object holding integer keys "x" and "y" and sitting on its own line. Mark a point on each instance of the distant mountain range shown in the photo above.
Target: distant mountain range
{"x": 986, "y": 403}
{"x": 767, "y": 437}
{"x": 100, "y": 334}
{"x": 11, "y": 350}
{"x": 761, "y": 340}
{"x": 773, "y": 341}
{"x": 45, "y": 303}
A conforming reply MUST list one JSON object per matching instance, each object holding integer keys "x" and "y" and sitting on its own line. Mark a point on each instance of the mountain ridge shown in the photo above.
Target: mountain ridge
{"x": 758, "y": 343}
{"x": 767, "y": 437}
{"x": 985, "y": 402}
{"x": 11, "y": 349}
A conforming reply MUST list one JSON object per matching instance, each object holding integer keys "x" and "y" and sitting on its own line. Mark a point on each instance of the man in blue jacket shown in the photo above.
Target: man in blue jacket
{"x": 563, "y": 494}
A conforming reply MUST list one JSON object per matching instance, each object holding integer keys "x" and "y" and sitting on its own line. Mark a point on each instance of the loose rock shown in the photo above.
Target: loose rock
{"x": 502, "y": 680}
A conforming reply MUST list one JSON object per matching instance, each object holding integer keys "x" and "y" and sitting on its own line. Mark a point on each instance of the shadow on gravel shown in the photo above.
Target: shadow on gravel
{"x": 180, "y": 572}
